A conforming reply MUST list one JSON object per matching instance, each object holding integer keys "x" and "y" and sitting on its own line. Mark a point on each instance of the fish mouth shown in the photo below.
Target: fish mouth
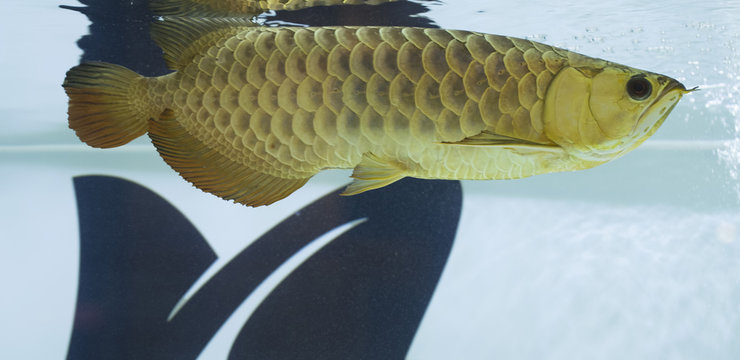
{"x": 668, "y": 98}
{"x": 655, "y": 114}
{"x": 672, "y": 87}
{"x": 675, "y": 85}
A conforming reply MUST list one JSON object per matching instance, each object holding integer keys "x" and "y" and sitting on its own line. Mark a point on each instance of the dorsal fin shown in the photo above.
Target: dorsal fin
{"x": 183, "y": 38}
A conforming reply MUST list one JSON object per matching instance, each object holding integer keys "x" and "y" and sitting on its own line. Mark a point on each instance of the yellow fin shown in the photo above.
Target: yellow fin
{"x": 183, "y": 38}
{"x": 212, "y": 172}
{"x": 372, "y": 173}
{"x": 101, "y": 111}
{"x": 486, "y": 138}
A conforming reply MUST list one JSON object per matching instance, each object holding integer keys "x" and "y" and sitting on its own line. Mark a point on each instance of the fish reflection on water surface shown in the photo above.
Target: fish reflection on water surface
{"x": 251, "y": 113}
{"x": 244, "y": 7}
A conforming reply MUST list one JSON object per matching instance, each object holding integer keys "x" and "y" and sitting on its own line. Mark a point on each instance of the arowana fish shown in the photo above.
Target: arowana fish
{"x": 251, "y": 113}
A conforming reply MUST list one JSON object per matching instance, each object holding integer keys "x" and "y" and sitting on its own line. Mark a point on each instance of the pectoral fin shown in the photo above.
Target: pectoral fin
{"x": 486, "y": 138}
{"x": 372, "y": 173}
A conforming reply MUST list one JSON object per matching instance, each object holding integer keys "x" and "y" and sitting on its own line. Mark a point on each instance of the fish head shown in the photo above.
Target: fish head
{"x": 600, "y": 113}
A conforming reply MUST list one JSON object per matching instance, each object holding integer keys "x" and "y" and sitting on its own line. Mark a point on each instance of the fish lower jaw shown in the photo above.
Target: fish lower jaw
{"x": 475, "y": 163}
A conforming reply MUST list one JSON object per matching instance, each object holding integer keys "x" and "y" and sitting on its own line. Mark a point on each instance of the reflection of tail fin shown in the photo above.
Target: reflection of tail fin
{"x": 362, "y": 295}
{"x": 102, "y": 110}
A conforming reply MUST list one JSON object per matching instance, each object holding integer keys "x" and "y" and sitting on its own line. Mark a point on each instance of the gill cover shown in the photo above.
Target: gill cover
{"x": 569, "y": 121}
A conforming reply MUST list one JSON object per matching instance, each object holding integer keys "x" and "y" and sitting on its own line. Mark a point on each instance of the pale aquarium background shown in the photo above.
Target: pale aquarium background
{"x": 635, "y": 259}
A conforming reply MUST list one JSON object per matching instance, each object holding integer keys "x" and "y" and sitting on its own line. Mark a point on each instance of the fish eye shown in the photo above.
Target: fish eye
{"x": 639, "y": 88}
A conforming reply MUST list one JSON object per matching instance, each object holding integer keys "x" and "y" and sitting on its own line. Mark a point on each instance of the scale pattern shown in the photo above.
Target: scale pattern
{"x": 292, "y": 101}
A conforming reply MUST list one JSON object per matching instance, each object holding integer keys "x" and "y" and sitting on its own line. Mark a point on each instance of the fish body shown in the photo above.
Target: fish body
{"x": 251, "y": 113}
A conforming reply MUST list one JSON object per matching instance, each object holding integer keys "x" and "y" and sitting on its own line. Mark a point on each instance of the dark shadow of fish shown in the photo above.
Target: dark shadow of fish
{"x": 361, "y": 296}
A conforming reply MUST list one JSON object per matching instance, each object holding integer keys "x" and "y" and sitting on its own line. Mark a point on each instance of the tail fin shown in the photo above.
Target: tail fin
{"x": 102, "y": 109}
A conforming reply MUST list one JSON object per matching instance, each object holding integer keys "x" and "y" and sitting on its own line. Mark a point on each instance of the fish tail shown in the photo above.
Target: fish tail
{"x": 104, "y": 110}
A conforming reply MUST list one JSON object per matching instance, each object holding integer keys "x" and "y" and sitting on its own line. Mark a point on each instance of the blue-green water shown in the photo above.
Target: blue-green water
{"x": 638, "y": 258}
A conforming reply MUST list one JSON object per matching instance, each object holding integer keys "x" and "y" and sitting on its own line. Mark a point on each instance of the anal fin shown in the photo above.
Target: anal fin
{"x": 372, "y": 173}
{"x": 213, "y": 172}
